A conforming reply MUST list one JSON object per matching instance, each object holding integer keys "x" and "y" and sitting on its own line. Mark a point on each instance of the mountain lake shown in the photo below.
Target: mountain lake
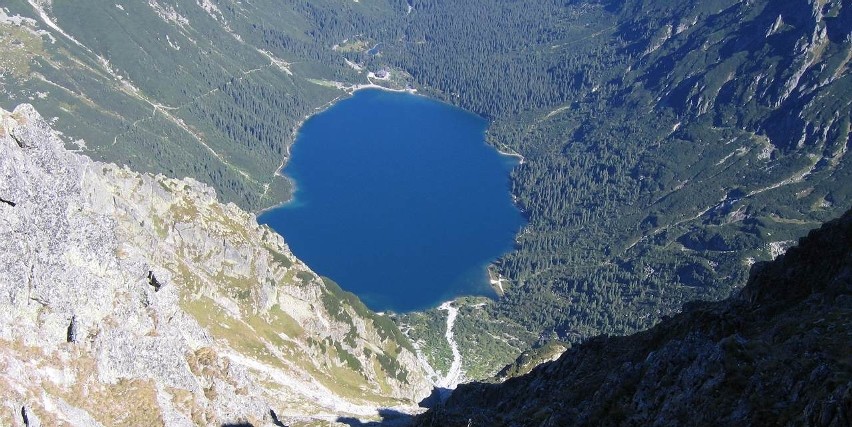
{"x": 399, "y": 200}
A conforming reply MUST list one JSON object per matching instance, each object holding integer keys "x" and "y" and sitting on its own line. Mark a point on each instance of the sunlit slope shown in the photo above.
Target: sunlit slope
{"x": 131, "y": 298}
{"x": 212, "y": 90}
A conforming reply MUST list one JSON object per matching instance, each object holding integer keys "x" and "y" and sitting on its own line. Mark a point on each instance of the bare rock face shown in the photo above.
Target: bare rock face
{"x": 127, "y": 298}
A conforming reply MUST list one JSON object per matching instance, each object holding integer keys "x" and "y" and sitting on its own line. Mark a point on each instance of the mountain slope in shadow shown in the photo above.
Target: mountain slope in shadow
{"x": 777, "y": 353}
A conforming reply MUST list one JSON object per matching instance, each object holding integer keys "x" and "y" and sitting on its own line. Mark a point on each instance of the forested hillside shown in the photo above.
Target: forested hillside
{"x": 668, "y": 145}
{"x": 208, "y": 89}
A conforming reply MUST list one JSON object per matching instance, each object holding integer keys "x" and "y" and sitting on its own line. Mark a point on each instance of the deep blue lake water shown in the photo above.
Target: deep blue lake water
{"x": 399, "y": 200}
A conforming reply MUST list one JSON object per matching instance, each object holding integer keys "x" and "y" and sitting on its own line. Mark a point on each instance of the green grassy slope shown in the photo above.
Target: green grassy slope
{"x": 212, "y": 90}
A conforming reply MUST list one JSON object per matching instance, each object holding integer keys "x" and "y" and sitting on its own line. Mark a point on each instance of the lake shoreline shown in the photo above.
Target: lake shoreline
{"x": 520, "y": 157}
{"x": 349, "y": 146}
{"x": 495, "y": 285}
{"x": 350, "y": 91}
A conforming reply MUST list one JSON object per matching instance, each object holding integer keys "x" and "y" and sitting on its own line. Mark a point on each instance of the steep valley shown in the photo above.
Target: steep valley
{"x": 668, "y": 148}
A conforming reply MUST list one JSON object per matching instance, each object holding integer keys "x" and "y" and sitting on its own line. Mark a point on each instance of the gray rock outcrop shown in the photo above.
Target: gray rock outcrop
{"x": 128, "y": 298}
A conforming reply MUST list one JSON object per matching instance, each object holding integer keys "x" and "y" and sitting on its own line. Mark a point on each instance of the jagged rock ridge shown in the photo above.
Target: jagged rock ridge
{"x": 134, "y": 299}
{"x": 779, "y": 353}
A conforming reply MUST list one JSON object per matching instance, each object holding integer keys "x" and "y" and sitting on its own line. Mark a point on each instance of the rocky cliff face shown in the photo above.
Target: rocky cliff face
{"x": 127, "y": 298}
{"x": 779, "y": 353}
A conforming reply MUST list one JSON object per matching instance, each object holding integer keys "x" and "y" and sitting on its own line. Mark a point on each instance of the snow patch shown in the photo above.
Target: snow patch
{"x": 211, "y": 9}
{"x": 47, "y": 20}
{"x": 171, "y": 43}
{"x": 169, "y": 14}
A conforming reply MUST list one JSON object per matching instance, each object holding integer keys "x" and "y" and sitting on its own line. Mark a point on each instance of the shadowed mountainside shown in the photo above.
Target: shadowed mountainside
{"x": 778, "y": 353}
